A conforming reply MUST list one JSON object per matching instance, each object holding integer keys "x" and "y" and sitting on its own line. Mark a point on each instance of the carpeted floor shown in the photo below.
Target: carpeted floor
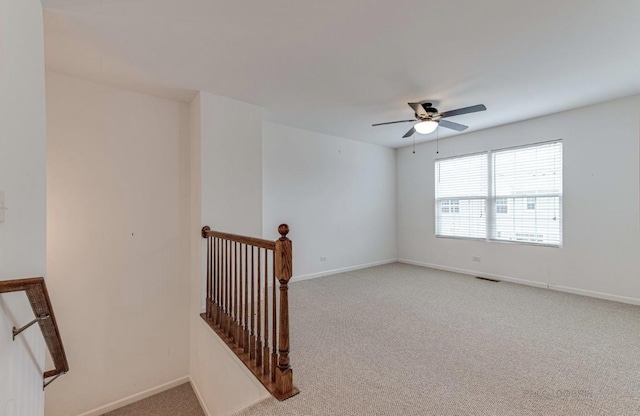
{"x": 405, "y": 340}
{"x": 178, "y": 401}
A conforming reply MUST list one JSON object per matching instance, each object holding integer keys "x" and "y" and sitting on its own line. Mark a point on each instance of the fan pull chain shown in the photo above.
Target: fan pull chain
{"x": 414, "y": 143}
{"x": 437, "y": 141}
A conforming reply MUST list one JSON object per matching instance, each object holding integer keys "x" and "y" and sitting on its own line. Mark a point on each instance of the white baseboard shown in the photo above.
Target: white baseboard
{"x": 199, "y": 396}
{"x": 136, "y": 397}
{"x": 341, "y": 270}
{"x": 583, "y": 292}
{"x": 475, "y": 273}
{"x": 599, "y": 295}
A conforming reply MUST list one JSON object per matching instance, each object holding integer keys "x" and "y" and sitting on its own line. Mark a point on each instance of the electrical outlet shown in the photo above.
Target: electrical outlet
{"x": 475, "y": 258}
{"x": 323, "y": 258}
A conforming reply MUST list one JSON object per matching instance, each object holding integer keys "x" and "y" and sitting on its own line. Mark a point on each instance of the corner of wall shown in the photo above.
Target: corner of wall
{"x": 222, "y": 382}
{"x": 23, "y": 181}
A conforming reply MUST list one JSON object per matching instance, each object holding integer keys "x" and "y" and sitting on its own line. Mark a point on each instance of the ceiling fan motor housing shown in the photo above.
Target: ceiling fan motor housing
{"x": 429, "y": 110}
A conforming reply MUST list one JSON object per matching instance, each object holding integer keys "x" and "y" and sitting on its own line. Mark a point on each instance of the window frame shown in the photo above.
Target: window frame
{"x": 459, "y": 198}
{"x": 490, "y": 199}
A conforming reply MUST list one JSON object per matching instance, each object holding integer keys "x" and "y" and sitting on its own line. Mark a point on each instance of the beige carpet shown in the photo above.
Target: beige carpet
{"x": 405, "y": 340}
{"x": 178, "y": 401}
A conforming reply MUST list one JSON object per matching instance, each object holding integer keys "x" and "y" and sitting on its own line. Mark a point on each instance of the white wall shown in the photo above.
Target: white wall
{"x": 226, "y": 178}
{"x": 22, "y": 144}
{"x": 118, "y": 254}
{"x": 337, "y": 195}
{"x": 601, "y": 238}
{"x": 231, "y": 152}
{"x": 22, "y": 178}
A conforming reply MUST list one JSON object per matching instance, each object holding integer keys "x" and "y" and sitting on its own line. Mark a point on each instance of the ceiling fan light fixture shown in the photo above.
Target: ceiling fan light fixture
{"x": 426, "y": 127}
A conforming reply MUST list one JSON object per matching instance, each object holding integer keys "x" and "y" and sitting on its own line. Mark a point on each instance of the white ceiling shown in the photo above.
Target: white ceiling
{"x": 336, "y": 67}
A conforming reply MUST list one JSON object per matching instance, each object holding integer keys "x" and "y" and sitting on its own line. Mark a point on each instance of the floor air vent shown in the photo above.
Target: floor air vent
{"x": 487, "y": 279}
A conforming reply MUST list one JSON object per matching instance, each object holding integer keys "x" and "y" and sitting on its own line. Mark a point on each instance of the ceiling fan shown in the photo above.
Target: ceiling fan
{"x": 428, "y": 118}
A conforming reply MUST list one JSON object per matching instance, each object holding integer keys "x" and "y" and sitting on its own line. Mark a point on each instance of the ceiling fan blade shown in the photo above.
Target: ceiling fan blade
{"x": 452, "y": 125}
{"x": 465, "y": 110}
{"x": 392, "y": 122}
{"x": 418, "y": 109}
{"x": 409, "y": 133}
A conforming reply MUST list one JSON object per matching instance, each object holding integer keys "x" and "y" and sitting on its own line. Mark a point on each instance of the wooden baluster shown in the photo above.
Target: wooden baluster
{"x": 284, "y": 373}
{"x": 265, "y": 352}
{"x": 274, "y": 316}
{"x": 230, "y": 326}
{"x": 212, "y": 281}
{"x": 239, "y": 297}
{"x": 259, "y": 317}
{"x": 221, "y": 288}
{"x": 216, "y": 319}
{"x": 223, "y": 279}
{"x": 216, "y": 279}
{"x": 229, "y": 289}
{"x": 240, "y": 303}
{"x": 208, "y": 300}
{"x": 240, "y": 308}
{"x": 219, "y": 281}
{"x": 232, "y": 312}
{"x": 245, "y": 335}
{"x": 227, "y": 286}
{"x": 223, "y": 291}
{"x": 223, "y": 285}
{"x": 234, "y": 292}
{"x": 252, "y": 337}
{"x": 212, "y": 269}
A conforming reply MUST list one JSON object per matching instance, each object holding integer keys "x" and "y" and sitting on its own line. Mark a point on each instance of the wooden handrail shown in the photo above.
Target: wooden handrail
{"x": 250, "y": 241}
{"x": 242, "y": 303}
{"x": 38, "y": 296}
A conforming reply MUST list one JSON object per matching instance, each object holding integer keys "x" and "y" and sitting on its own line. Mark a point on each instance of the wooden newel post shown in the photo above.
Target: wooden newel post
{"x": 205, "y": 234}
{"x": 284, "y": 374}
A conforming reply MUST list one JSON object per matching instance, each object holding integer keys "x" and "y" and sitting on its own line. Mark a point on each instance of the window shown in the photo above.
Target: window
{"x": 531, "y": 203}
{"x": 521, "y": 186}
{"x": 452, "y": 206}
{"x": 501, "y": 206}
{"x": 463, "y": 180}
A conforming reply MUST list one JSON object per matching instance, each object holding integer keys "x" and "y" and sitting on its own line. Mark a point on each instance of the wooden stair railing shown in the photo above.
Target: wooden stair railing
{"x": 242, "y": 303}
{"x": 38, "y": 296}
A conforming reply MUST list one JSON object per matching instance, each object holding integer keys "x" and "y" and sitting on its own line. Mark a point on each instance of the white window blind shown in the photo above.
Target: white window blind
{"x": 529, "y": 179}
{"x": 461, "y": 196}
{"x": 510, "y": 195}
